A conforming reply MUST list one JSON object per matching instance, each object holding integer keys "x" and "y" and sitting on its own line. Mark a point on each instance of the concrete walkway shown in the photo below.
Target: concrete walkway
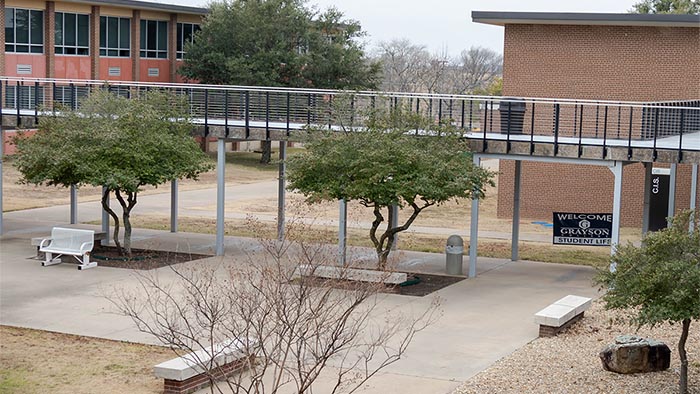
{"x": 202, "y": 203}
{"x": 483, "y": 319}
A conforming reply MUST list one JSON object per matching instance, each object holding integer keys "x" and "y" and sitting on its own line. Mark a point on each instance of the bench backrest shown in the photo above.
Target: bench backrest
{"x": 70, "y": 238}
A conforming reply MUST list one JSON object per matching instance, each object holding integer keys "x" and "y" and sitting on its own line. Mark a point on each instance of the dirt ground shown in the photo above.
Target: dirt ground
{"x": 33, "y": 361}
{"x": 241, "y": 168}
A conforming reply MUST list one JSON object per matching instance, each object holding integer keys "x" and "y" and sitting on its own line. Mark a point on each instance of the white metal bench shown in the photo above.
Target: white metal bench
{"x": 561, "y": 314}
{"x": 192, "y": 372}
{"x": 68, "y": 241}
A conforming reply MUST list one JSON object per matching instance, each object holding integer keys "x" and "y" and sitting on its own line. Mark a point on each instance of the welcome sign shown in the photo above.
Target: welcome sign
{"x": 592, "y": 229}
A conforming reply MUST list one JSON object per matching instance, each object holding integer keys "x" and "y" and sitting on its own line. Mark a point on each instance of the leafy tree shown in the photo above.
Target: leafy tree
{"x": 278, "y": 43}
{"x": 386, "y": 164}
{"x": 659, "y": 281}
{"x": 666, "y": 7}
{"x": 119, "y": 143}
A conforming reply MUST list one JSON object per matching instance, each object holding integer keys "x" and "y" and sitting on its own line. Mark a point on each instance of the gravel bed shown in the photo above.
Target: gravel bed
{"x": 569, "y": 363}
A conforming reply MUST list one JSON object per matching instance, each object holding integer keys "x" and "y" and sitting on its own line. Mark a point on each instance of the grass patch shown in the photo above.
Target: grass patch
{"x": 14, "y": 381}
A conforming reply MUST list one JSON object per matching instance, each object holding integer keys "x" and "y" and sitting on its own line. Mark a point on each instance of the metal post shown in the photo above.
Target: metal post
{"x": 617, "y": 209}
{"x": 173, "y": 206}
{"x": 516, "y": 212}
{"x": 342, "y": 232}
{"x": 105, "y": 220}
{"x": 2, "y": 153}
{"x": 73, "y": 204}
{"x": 647, "y": 197}
{"x": 672, "y": 192}
{"x": 694, "y": 193}
{"x": 220, "y": 194}
{"x": 394, "y": 224}
{"x": 281, "y": 191}
{"x": 474, "y": 229}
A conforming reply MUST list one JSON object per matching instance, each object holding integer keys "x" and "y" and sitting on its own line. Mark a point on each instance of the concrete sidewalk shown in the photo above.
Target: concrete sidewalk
{"x": 483, "y": 319}
{"x": 202, "y": 203}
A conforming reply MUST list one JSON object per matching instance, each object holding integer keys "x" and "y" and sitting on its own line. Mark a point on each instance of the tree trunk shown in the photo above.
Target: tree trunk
{"x": 684, "y": 357}
{"x": 113, "y": 215}
{"x": 127, "y": 206}
{"x": 266, "y": 147}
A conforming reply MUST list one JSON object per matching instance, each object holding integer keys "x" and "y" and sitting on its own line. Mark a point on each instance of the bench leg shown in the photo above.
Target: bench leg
{"x": 49, "y": 260}
{"x": 86, "y": 262}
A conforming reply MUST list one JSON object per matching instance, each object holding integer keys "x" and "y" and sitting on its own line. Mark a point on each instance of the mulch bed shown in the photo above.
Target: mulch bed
{"x": 426, "y": 284}
{"x": 141, "y": 259}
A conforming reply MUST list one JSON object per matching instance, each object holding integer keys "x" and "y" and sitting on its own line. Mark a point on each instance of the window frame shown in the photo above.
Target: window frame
{"x": 32, "y": 48}
{"x": 60, "y": 46}
{"x": 155, "y": 51}
{"x": 119, "y": 51}
{"x": 180, "y": 33}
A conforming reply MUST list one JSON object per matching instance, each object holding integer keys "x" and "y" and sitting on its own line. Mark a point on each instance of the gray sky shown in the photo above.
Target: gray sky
{"x": 443, "y": 24}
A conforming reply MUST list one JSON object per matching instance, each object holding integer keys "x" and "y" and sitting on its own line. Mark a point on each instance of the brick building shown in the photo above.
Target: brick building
{"x": 97, "y": 39}
{"x": 625, "y": 57}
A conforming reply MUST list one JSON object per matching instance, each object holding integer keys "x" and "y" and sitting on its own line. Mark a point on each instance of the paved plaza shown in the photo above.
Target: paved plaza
{"x": 483, "y": 319}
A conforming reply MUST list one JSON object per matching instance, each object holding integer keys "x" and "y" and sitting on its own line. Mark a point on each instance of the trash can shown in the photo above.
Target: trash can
{"x": 512, "y": 113}
{"x": 454, "y": 252}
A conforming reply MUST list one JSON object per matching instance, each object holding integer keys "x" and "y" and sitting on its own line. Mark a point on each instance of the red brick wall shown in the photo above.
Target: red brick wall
{"x": 594, "y": 62}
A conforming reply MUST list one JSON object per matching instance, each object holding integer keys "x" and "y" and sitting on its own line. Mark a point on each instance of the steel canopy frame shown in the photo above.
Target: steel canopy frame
{"x": 615, "y": 167}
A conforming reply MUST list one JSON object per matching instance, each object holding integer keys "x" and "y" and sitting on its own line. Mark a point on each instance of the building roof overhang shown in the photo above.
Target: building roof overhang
{"x": 146, "y": 5}
{"x": 502, "y": 18}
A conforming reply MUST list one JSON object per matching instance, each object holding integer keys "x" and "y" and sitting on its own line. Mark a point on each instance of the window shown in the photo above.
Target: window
{"x": 23, "y": 97}
{"x": 185, "y": 34}
{"x": 115, "y": 36}
{"x": 24, "y": 30}
{"x": 72, "y": 34}
{"x": 154, "y": 39}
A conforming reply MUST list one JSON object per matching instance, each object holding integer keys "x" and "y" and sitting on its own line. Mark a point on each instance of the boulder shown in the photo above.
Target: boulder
{"x": 632, "y": 354}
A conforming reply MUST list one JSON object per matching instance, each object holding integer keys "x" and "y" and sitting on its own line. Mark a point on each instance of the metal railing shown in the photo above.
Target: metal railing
{"x": 654, "y": 125}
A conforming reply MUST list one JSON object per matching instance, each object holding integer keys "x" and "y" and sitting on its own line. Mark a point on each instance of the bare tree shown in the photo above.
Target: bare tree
{"x": 402, "y": 64}
{"x": 411, "y": 68}
{"x": 476, "y": 68}
{"x": 297, "y": 327}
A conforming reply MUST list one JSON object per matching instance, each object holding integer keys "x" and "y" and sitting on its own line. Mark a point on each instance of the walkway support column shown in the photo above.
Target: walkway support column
{"x": 2, "y": 153}
{"x": 105, "y": 221}
{"x": 617, "y": 170}
{"x": 694, "y": 192}
{"x": 647, "y": 197}
{"x": 173, "y": 206}
{"x": 281, "y": 191}
{"x": 73, "y": 204}
{"x": 220, "y": 194}
{"x": 342, "y": 232}
{"x": 514, "y": 255}
{"x": 474, "y": 228}
{"x": 672, "y": 192}
{"x": 394, "y": 224}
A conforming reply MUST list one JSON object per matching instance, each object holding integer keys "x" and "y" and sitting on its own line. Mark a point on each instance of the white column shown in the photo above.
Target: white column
{"x": 342, "y": 232}
{"x": 220, "y": 195}
{"x": 173, "y": 206}
{"x": 105, "y": 221}
{"x": 2, "y": 152}
{"x": 694, "y": 193}
{"x": 515, "y": 232}
{"x": 474, "y": 229}
{"x": 394, "y": 224}
{"x": 617, "y": 171}
{"x": 281, "y": 191}
{"x": 73, "y": 204}
{"x": 647, "y": 197}
{"x": 672, "y": 191}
